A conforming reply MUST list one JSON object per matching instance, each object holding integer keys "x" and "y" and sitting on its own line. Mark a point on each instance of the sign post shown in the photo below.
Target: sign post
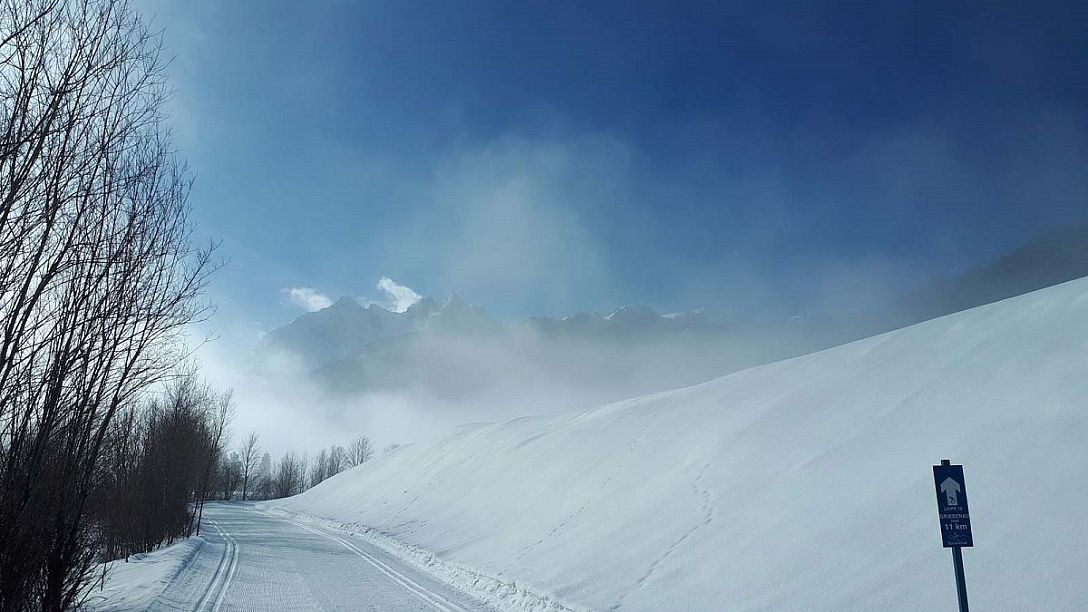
{"x": 955, "y": 519}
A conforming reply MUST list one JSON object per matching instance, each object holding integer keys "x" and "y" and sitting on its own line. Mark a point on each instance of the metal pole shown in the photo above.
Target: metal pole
{"x": 961, "y": 581}
{"x": 957, "y": 561}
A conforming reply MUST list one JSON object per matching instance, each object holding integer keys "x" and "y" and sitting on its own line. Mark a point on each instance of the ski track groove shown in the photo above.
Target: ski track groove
{"x": 435, "y": 599}
{"x": 230, "y": 560}
{"x": 230, "y": 571}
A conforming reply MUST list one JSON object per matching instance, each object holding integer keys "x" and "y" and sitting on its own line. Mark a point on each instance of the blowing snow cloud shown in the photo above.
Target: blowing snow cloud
{"x": 307, "y": 298}
{"x": 398, "y": 297}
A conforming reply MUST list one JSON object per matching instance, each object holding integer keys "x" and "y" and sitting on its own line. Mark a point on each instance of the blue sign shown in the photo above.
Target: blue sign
{"x": 952, "y": 506}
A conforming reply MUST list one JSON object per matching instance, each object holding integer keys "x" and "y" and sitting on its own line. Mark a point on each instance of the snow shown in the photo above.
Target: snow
{"x": 491, "y": 592}
{"x": 248, "y": 559}
{"x": 136, "y": 584}
{"x": 799, "y": 485}
{"x": 255, "y": 560}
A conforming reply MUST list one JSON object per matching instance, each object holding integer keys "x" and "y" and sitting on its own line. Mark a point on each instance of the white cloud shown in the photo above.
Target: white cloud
{"x": 398, "y": 297}
{"x": 307, "y": 298}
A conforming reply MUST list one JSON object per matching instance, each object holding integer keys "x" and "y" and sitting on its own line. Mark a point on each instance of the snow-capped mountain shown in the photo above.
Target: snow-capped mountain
{"x": 451, "y": 348}
{"x": 633, "y": 321}
{"x": 345, "y": 329}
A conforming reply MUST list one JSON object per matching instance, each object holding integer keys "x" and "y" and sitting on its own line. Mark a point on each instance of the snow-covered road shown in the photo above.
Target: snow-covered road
{"x": 255, "y": 560}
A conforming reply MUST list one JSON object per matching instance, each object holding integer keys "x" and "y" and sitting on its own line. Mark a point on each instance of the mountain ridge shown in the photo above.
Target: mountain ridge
{"x": 454, "y": 347}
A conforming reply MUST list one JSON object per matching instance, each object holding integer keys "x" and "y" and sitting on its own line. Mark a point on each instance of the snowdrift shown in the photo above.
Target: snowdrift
{"x": 800, "y": 485}
{"x": 135, "y": 583}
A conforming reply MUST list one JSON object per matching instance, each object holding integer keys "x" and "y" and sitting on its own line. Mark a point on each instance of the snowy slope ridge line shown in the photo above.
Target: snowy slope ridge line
{"x": 503, "y": 595}
{"x": 799, "y": 485}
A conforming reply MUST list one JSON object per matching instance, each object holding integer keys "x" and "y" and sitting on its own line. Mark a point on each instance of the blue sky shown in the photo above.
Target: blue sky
{"x": 549, "y": 157}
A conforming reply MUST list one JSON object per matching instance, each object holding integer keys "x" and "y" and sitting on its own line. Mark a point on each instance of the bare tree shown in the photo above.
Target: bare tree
{"x": 153, "y": 469}
{"x": 289, "y": 477}
{"x": 249, "y": 453}
{"x": 327, "y": 463}
{"x": 229, "y": 475}
{"x": 319, "y": 470}
{"x": 264, "y": 477}
{"x": 98, "y": 274}
{"x": 359, "y": 451}
{"x": 215, "y": 443}
{"x": 337, "y": 460}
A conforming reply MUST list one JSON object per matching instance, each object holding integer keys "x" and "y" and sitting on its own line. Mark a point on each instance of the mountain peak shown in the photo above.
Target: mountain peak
{"x": 632, "y": 312}
{"x": 422, "y": 308}
{"x": 455, "y": 301}
{"x": 345, "y": 303}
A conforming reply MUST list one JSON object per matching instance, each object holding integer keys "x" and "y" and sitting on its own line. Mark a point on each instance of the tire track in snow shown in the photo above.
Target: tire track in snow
{"x": 435, "y": 599}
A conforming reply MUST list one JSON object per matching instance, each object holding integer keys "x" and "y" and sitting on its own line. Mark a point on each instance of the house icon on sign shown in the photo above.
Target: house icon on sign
{"x": 951, "y": 490}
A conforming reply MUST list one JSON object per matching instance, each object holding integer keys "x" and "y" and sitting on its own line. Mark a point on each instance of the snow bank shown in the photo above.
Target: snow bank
{"x": 136, "y": 584}
{"x": 799, "y": 485}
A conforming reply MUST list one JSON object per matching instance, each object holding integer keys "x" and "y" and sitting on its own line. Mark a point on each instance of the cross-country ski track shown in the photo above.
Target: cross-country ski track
{"x": 256, "y": 560}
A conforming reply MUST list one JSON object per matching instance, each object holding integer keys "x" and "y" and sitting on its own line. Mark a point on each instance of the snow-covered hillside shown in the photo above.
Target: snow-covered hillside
{"x": 800, "y": 485}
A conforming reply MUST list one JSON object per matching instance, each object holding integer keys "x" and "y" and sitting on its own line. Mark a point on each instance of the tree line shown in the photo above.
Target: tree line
{"x": 109, "y": 444}
{"x": 99, "y": 277}
{"x": 247, "y": 474}
{"x": 161, "y": 464}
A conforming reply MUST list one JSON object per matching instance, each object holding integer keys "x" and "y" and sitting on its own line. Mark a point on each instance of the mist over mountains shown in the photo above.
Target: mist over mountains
{"x": 453, "y": 350}
{"x": 451, "y": 353}
{"x": 1055, "y": 257}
